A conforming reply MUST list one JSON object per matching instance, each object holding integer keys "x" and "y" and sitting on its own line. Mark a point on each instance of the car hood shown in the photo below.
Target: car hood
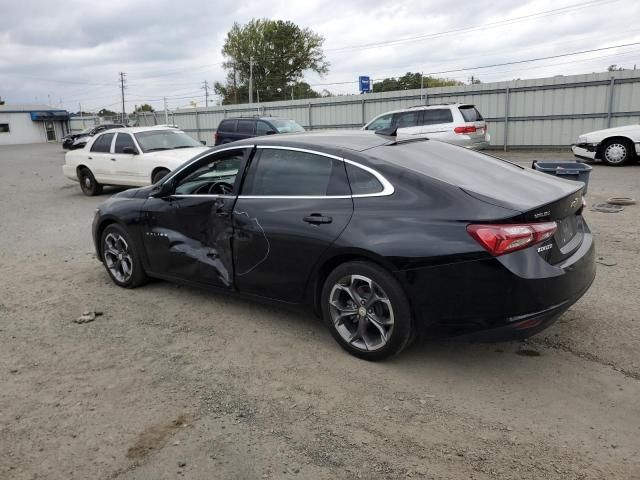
{"x": 608, "y": 132}
{"x": 176, "y": 157}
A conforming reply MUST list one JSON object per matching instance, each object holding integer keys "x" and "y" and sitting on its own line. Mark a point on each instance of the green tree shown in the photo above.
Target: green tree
{"x": 145, "y": 107}
{"x": 278, "y": 52}
{"x": 614, "y": 68}
{"x": 411, "y": 81}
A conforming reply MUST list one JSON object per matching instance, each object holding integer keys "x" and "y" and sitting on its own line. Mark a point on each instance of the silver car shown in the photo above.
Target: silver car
{"x": 457, "y": 123}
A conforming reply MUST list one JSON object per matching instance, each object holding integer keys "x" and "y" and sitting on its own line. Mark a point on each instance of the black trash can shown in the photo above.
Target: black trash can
{"x": 568, "y": 170}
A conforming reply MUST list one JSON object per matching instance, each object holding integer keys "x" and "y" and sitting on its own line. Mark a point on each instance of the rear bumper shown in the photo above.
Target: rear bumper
{"x": 513, "y": 296}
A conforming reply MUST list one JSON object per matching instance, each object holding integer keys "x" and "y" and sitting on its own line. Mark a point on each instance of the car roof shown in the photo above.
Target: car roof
{"x": 356, "y": 140}
{"x": 426, "y": 107}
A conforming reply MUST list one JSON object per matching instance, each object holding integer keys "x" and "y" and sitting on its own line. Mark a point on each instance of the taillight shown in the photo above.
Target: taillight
{"x": 501, "y": 239}
{"x": 465, "y": 129}
{"x": 215, "y": 137}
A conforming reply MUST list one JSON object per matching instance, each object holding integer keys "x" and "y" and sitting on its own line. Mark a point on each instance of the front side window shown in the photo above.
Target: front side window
{"x": 406, "y": 119}
{"x": 381, "y": 122}
{"x": 102, "y": 143}
{"x": 292, "y": 173}
{"x": 124, "y": 140}
{"x": 437, "y": 115}
{"x": 215, "y": 177}
{"x": 246, "y": 127}
{"x": 286, "y": 126}
{"x": 262, "y": 128}
{"x": 155, "y": 140}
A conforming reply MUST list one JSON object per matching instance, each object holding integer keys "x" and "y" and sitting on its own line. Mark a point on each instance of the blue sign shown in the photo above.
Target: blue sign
{"x": 365, "y": 83}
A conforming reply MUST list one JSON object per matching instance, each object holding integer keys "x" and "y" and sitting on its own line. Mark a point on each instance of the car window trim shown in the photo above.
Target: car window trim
{"x": 387, "y": 187}
{"x": 169, "y": 177}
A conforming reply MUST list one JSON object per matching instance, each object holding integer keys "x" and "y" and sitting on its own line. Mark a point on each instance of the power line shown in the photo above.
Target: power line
{"x": 507, "y": 21}
{"x": 516, "y": 62}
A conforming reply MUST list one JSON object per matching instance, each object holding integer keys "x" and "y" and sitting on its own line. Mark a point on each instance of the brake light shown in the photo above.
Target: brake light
{"x": 215, "y": 137}
{"x": 501, "y": 239}
{"x": 465, "y": 129}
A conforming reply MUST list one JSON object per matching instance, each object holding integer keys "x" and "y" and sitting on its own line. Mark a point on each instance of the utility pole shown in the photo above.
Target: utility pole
{"x": 122, "y": 87}
{"x": 235, "y": 86}
{"x": 250, "y": 80}
{"x": 166, "y": 112}
{"x": 205, "y": 86}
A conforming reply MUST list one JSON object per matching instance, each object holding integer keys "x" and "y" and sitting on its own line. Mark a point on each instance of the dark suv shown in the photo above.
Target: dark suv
{"x": 238, "y": 128}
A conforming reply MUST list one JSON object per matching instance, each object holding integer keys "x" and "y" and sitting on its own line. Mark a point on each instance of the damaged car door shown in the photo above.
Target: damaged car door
{"x": 188, "y": 224}
{"x": 294, "y": 204}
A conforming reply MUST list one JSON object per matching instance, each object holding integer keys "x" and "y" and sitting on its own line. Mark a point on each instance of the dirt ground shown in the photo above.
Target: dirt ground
{"x": 173, "y": 382}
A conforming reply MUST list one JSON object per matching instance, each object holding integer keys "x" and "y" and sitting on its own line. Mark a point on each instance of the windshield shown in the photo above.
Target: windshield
{"x": 155, "y": 140}
{"x": 286, "y": 126}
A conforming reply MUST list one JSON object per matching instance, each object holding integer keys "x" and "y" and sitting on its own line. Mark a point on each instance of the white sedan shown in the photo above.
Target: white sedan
{"x": 614, "y": 146}
{"x": 132, "y": 157}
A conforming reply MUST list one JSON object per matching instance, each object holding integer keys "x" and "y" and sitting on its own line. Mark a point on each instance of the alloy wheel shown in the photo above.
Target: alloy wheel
{"x": 117, "y": 257}
{"x": 361, "y": 312}
{"x": 616, "y": 153}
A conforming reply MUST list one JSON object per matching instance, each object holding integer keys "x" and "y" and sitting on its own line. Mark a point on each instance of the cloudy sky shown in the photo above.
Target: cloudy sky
{"x": 71, "y": 51}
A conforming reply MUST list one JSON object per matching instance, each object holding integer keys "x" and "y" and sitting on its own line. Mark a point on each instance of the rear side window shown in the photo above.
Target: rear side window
{"x": 407, "y": 119}
{"x": 437, "y": 115}
{"x": 247, "y": 126}
{"x": 361, "y": 181}
{"x": 470, "y": 114}
{"x": 291, "y": 173}
{"x": 124, "y": 140}
{"x": 102, "y": 143}
{"x": 227, "y": 126}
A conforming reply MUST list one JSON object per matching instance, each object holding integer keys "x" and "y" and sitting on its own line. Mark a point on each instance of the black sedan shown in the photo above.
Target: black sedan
{"x": 385, "y": 239}
{"x": 74, "y": 141}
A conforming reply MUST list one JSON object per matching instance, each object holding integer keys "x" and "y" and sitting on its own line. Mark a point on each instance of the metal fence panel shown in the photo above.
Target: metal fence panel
{"x": 542, "y": 112}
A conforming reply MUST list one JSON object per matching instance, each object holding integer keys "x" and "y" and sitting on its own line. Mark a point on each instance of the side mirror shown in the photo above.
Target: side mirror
{"x": 203, "y": 142}
{"x": 162, "y": 190}
{"x": 130, "y": 150}
{"x": 271, "y": 132}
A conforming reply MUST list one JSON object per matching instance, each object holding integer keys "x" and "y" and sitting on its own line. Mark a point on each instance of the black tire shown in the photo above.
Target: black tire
{"x": 159, "y": 175}
{"x": 88, "y": 183}
{"x": 400, "y": 333}
{"x": 617, "y": 152}
{"x": 130, "y": 260}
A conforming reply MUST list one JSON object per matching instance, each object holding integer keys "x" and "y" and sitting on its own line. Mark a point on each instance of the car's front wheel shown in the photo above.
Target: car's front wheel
{"x": 366, "y": 310}
{"x": 617, "y": 152}
{"x": 88, "y": 183}
{"x": 120, "y": 257}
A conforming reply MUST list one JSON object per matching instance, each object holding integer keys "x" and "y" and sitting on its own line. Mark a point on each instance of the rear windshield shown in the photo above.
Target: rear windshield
{"x": 470, "y": 113}
{"x": 286, "y": 126}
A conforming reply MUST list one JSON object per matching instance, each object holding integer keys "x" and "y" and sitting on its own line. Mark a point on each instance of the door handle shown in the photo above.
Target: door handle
{"x": 113, "y": 159}
{"x": 90, "y": 158}
{"x": 317, "y": 219}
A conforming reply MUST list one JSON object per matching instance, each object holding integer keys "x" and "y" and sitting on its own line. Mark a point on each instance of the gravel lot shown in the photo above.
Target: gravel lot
{"x": 173, "y": 382}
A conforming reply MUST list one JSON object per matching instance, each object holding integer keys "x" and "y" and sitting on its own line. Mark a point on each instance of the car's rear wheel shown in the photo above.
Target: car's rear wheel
{"x": 366, "y": 310}
{"x": 617, "y": 152}
{"x": 120, "y": 257}
{"x": 159, "y": 175}
{"x": 88, "y": 183}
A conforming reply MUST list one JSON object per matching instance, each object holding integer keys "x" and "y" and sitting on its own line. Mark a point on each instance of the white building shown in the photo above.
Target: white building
{"x": 32, "y": 124}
